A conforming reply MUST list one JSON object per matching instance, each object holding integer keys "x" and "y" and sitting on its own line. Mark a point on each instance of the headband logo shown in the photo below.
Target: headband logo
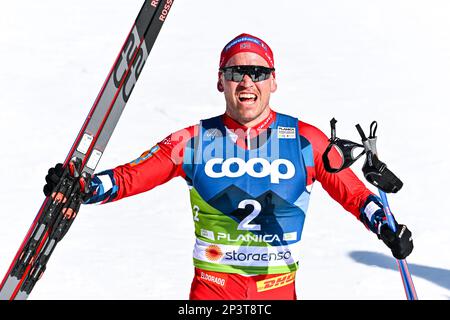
{"x": 243, "y": 39}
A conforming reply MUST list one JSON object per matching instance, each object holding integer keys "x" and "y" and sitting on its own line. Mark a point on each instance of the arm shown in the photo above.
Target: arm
{"x": 352, "y": 194}
{"x": 344, "y": 186}
{"x": 154, "y": 167}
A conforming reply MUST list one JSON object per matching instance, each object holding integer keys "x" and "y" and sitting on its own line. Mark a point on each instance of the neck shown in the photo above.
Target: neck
{"x": 244, "y": 133}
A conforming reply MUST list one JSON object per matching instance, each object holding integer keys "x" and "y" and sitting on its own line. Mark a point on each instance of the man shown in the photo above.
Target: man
{"x": 250, "y": 173}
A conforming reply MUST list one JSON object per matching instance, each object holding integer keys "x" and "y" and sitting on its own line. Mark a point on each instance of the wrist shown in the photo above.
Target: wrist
{"x": 372, "y": 214}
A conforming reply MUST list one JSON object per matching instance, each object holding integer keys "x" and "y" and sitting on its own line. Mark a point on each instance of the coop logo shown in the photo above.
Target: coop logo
{"x": 129, "y": 65}
{"x": 236, "y": 167}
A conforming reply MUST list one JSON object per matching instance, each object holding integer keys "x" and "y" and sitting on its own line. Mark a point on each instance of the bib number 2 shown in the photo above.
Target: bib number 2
{"x": 245, "y": 224}
{"x": 196, "y": 209}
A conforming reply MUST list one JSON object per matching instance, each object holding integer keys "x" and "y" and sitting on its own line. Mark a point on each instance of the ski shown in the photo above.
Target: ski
{"x": 59, "y": 210}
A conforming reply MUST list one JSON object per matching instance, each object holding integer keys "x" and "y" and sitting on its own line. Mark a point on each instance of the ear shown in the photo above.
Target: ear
{"x": 273, "y": 84}
{"x": 220, "y": 83}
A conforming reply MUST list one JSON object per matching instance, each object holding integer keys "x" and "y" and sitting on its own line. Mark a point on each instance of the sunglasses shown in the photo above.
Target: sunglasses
{"x": 237, "y": 73}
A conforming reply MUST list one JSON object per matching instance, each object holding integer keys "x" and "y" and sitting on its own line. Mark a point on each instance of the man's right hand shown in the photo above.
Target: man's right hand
{"x": 55, "y": 175}
{"x": 52, "y": 178}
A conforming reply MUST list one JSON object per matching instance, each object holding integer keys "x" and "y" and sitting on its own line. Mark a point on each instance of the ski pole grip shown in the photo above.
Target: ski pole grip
{"x": 373, "y": 130}
{"x": 333, "y": 128}
{"x": 361, "y": 132}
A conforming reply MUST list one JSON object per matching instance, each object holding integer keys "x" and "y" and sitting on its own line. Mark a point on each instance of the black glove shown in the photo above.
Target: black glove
{"x": 52, "y": 178}
{"x": 56, "y": 173}
{"x": 400, "y": 242}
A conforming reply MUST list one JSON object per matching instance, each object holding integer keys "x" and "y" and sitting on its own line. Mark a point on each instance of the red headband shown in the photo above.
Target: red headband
{"x": 246, "y": 43}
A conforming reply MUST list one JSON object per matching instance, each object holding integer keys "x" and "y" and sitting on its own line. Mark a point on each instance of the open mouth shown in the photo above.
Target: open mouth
{"x": 247, "y": 98}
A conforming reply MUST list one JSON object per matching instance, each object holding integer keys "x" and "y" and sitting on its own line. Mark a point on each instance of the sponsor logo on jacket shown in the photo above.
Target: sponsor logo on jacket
{"x": 237, "y": 167}
{"x": 214, "y": 253}
{"x": 221, "y": 281}
{"x": 276, "y": 282}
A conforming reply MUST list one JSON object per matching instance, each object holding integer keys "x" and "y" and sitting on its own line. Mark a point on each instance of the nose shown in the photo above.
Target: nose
{"x": 247, "y": 81}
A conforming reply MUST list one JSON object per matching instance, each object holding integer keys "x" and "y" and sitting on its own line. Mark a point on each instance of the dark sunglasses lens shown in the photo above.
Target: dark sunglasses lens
{"x": 227, "y": 74}
{"x": 238, "y": 75}
{"x": 259, "y": 74}
{"x": 256, "y": 73}
{"x": 231, "y": 74}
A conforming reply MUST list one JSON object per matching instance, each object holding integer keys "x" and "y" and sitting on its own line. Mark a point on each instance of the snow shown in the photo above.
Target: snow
{"x": 356, "y": 60}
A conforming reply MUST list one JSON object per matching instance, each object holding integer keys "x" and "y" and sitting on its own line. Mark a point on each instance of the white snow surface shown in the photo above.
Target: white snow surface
{"x": 356, "y": 60}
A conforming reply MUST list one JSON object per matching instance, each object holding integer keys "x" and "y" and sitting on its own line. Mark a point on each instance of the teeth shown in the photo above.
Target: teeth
{"x": 247, "y": 96}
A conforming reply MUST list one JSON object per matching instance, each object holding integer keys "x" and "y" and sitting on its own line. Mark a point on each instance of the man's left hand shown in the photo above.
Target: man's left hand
{"x": 400, "y": 242}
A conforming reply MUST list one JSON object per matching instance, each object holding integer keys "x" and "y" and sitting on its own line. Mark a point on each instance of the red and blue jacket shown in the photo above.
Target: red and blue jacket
{"x": 249, "y": 188}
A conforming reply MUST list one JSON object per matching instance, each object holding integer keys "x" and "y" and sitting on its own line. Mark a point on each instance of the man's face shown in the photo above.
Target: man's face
{"x": 247, "y": 102}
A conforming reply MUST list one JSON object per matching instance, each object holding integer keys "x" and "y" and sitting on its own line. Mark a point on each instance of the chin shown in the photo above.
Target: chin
{"x": 250, "y": 115}
{"x": 245, "y": 113}
{"x": 250, "y": 109}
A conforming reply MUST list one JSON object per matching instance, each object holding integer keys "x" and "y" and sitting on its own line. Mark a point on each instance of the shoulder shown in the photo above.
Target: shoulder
{"x": 174, "y": 144}
{"x": 313, "y": 135}
{"x": 180, "y": 136}
{"x": 308, "y": 130}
